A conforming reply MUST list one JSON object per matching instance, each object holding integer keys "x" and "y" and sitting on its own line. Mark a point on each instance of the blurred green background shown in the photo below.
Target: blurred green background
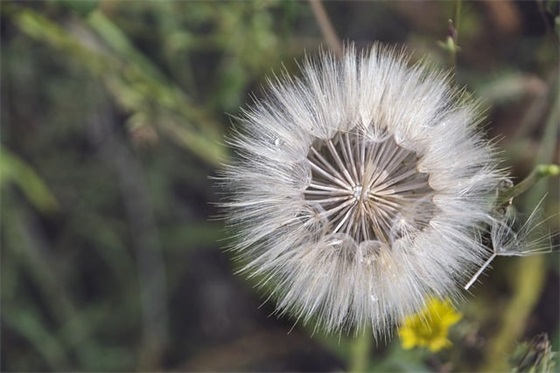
{"x": 113, "y": 115}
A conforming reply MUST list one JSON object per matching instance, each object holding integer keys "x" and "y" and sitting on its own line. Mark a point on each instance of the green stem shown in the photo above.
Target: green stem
{"x": 527, "y": 281}
{"x": 457, "y": 17}
{"x": 452, "y": 40}
{"x": 540, "y": 172}
{"x": 359, "y": 358}
{"x": 326, "y": 27}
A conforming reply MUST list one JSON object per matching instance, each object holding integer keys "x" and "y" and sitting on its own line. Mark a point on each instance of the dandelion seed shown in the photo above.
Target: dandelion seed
{"x": 509, "y": 238}
{"x": 360, "y": 190}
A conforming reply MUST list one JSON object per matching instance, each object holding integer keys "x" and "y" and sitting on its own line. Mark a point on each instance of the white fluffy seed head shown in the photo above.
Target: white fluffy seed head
{"x": 360, "y": 189}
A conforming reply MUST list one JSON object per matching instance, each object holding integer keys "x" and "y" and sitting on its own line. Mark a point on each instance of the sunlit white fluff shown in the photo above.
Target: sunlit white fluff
{"x": 360, "y": 189}
{"x": 510, "y": 236}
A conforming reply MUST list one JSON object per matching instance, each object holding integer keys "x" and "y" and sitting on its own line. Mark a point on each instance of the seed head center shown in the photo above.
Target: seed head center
{"x": 364, "y": 186}
{"x": 358, "y": 193}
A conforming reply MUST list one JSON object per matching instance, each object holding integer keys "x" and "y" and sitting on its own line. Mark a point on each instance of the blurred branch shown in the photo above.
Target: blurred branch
{"x": 540, "y": 172}
{"x": 326, "y": 26}
{"x": 144, "y": 235}
{"x": 136, "y": 84}
{"x": 204, "y": 137}
{"x": 527, "y": 279}
{"x": 28, "y": 244}
{"x": 28, "y": 326}
{"x": 451, "y": 41}
{"x": 539, "y": 104}
{"x": 13, "y": 169}
{"x": 457, "y": 19}
{"x": 542, "y": 12}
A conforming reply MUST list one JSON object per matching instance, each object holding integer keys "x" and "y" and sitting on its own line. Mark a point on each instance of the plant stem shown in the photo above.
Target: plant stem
{"x": 457, "y": 17}
{"x": 540, "y": 172}
{"x": 527, "y": 281}
{"x": 454, "y": 36}
{"x": 450, "y": 43}
{"x": 360, "y": 352}
{"x": 326, "y": 26}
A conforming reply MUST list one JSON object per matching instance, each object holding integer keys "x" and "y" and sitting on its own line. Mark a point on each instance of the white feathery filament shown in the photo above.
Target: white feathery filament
{"x": 363, "y": 185}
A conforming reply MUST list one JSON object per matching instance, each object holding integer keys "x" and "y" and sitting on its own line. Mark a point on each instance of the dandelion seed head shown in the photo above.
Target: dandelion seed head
{"x": 361, "y": 189}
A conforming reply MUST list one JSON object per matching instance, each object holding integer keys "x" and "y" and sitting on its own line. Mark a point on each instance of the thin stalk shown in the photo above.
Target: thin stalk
{"x": 457, "y": 17}
{"x": 326, "y": 26}
{"x": 359, "y": 358}
{"x": 479, "y": 272}
{"x": 528, "y": 281}
{"x": 451, "y": 42}
{"x": 540, "y": 172}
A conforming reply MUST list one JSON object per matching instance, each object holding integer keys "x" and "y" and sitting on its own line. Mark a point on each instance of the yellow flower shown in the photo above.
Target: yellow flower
{"x": 429, "y": 327}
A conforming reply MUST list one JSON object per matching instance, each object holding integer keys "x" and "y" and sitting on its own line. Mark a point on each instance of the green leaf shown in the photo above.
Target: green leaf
{"x": 14, "y": 170}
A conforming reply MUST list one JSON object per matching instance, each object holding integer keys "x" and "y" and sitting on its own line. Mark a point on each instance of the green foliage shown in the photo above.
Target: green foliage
{"x": 535, "y": 356}
{"x": 14, "y": 170}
